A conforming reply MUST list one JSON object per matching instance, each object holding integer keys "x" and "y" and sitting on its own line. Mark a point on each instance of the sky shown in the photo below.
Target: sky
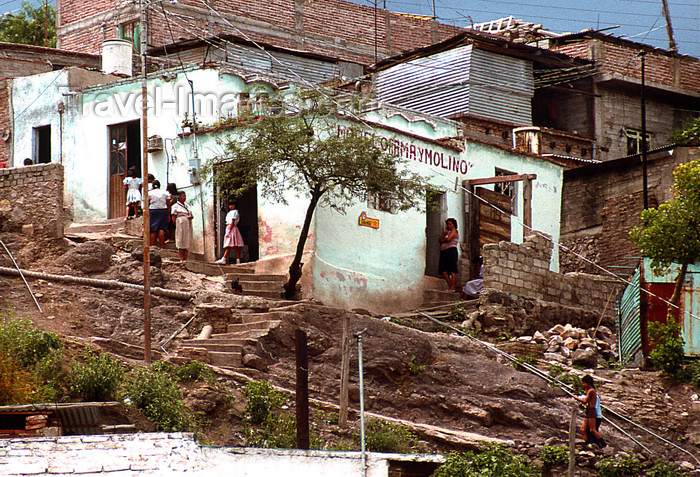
{"x": 639, "y": 20}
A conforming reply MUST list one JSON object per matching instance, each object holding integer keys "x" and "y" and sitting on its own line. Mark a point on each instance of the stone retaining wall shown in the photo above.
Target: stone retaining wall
{"x": 523, "y": 270}
{"x": 31, "y": 200}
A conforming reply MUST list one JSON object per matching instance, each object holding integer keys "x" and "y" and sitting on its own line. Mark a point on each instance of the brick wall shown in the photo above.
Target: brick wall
{"x": 523, "y": 270}
{"x": 330, "y": 27}
{"x": 586, "y": 190}
{"x": 601, "y": 204}
{"x": 619, "y": 57}
{"x": 31, "y": 200}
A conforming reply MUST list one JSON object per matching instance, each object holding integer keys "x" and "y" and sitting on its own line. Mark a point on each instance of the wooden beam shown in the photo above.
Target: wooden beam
{"x": 527, "y": 203}
{"x": 501, "y": 179}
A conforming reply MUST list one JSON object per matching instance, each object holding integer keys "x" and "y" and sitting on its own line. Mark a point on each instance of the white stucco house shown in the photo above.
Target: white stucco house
{"x": 367, "y": 257}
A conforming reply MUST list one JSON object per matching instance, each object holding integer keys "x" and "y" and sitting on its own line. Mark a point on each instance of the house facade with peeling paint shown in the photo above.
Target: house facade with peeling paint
{"x": 366, "y": 257}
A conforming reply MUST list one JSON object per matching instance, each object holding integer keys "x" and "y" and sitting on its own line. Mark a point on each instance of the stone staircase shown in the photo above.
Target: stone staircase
{"x": 239, "y": 346}
{"x": 125, "y": 235}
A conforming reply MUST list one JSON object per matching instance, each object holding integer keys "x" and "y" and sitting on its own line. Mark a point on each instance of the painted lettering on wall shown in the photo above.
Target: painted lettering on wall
{"x": 426, "y": 155}
{"x": 367, "y": 222}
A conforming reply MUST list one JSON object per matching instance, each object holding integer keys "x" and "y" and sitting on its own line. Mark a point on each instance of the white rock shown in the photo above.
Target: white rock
{"x": 567, "y": 332}
{"x": 571, "y": 343}
{"x": 565, "y": 352}
{"x": 539, "y": 337}
{"x": 556, "y": 329}
{"x": 524, "y": 339}
{"x": 556, "y": 340}
{"x": 555, "y": 357}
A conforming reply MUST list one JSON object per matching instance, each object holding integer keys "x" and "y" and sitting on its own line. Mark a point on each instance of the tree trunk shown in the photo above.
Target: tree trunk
{"x": 290, "y": 288}
{"x": 676, "y": 297}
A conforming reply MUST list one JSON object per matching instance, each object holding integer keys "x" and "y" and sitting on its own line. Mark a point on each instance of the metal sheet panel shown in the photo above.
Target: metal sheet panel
{"x": 462, "y": 80}
{"x": 311, "y": 70}
{"x": 502, "y": 87}
{"x": 628, "y": 324}
{"x": 436, "y": 85}
{"x": 248, "y": 58}
{"x": 288, "y": 66}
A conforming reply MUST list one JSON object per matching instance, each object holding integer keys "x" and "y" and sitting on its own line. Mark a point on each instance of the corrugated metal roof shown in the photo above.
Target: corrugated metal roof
{"x": 462, "y": 80}
{"x": 254, "y": 59}
{"x": 76, "y": 418}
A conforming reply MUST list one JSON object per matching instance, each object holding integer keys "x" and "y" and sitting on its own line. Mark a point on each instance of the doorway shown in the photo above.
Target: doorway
{"x": 42, "y": 145}
{"x": 434, "y": 217}
{"x": 124, "y": 152}
{"x": 247, "y": 205}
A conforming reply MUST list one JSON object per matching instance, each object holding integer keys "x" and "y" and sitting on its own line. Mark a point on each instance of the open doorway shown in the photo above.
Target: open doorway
{"x": 434, "y": 217}
{"x": 42, "y": 145}
{"x": 124, "y": 152}
{"x": 247, "y": 205}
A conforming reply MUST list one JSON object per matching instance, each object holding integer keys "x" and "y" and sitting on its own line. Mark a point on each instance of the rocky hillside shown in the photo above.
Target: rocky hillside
{"x": 452, "y": 391}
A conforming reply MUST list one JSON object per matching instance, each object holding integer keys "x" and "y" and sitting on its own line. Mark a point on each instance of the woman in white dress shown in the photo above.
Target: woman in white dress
{"x": 182, "y": 216}
{"x": 132, "y": 184}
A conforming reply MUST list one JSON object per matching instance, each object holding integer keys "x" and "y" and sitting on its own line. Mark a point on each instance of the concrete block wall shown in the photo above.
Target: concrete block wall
{"x": 587, "y": 190}
{"x": 617, "y": 110}
{"x": 329, "y": 27}
{"x": 522, "y": 270}
{"x": 31, "y": 200}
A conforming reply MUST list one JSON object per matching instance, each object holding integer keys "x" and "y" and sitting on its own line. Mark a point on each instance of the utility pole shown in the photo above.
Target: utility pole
{"x": 643, "y": 54}
{"x": 144, "y": 174}
{"x": 669, "y": 29}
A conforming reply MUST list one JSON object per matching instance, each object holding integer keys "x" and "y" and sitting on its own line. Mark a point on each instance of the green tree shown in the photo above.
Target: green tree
{"x": 31, "y": 25}
{"x": 671, "y": 233}
{"x": 690, "y": 134}
{"x": 300, "y": 149}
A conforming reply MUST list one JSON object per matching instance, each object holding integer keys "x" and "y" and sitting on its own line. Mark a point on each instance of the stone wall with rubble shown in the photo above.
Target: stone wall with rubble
{"x": 31, "y": 200}
{"x": 523, "y": 270}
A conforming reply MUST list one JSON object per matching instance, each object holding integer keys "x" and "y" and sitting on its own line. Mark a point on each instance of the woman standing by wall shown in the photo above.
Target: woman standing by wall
{"x": 448, "y": 253}
{"x": 182, "y": 216}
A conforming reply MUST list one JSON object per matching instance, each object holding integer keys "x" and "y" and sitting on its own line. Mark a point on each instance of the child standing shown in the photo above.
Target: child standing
{"x": 132, "y": 184}
{"x": 232, "y": 238}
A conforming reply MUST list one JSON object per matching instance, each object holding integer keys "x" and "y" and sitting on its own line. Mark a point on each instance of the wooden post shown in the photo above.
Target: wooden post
{"x": 302, "y": 394}
{"x": 572, "y": 443}
{"x": 527, "y": 203}
{"x": 344, "y": 373}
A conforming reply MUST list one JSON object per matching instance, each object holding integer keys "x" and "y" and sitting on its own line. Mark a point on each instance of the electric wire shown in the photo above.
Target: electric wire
{"x": 558, "y": 244}
{"x": 564, "y": 387}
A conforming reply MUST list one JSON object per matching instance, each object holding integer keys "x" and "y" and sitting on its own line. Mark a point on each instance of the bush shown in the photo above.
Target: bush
{"x": 493, "y": 460}
{"x": 186, "y": 372}
{"x": 553, "y": 455}
{"x": 16, "y": 383}
{"x": 262, "y": 400}
{"x": 668, "y": 351}
{"x": 97, "y": 378}
{"x": 413, "y": 367}
{"x": 558, "y": 373}
{"x": 457, "y": 313}
{"x": 25, "y": 343}
{"x": 618, "y": 467}
{"x": 155, "y": 393}
{"x": 279, "y": 432}
{"x": 663, "y": 469}
{"x": 382, "y": 436}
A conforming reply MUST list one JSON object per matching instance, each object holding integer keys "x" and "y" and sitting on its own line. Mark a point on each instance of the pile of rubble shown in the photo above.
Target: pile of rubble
{"x": 575, "y": 346}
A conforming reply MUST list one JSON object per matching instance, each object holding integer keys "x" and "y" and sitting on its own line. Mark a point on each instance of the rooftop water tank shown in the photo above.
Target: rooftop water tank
{"x": 116, "y": 57}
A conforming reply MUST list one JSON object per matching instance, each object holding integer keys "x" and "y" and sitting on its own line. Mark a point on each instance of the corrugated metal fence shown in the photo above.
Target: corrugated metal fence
{"x": 628, "y": 323}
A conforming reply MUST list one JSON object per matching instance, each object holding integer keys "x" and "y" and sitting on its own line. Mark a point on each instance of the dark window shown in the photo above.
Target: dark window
{"x": 131, "y": 31}
{"x": 634, "y": 141}
{"x": 507, "y": 188}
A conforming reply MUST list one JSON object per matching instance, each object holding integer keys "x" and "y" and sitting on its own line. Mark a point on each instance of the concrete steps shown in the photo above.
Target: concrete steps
{"x": 432, "y": 298}
{"x": 231, "y": 349}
